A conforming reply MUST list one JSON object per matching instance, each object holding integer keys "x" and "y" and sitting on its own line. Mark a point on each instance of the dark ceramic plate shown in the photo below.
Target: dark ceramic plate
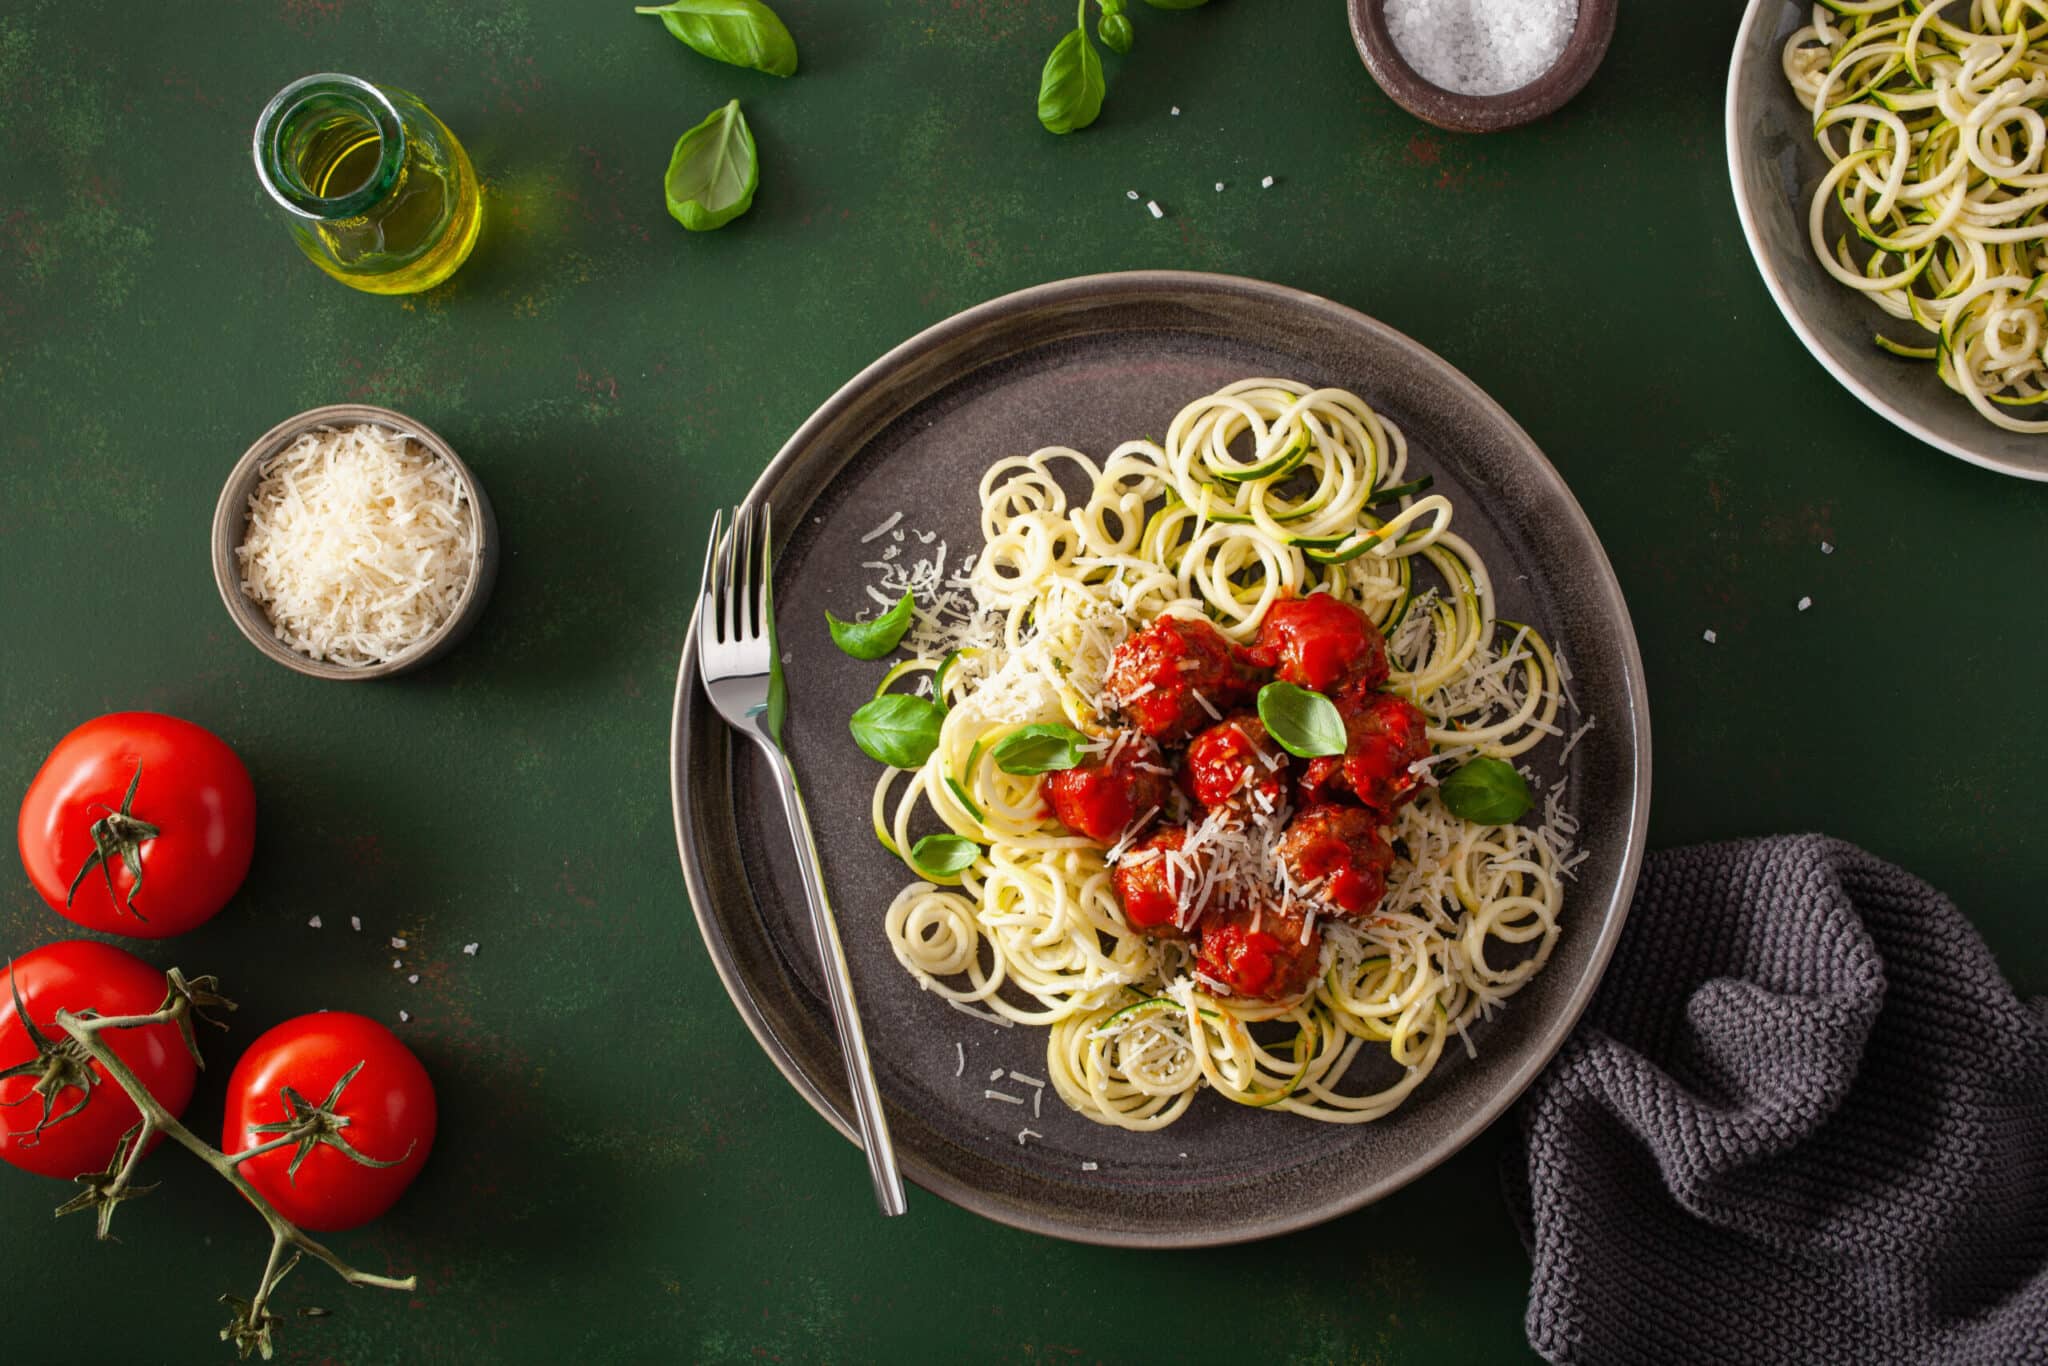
{"x": 1087, "y": 363}
{"x": 1774, "y": 166}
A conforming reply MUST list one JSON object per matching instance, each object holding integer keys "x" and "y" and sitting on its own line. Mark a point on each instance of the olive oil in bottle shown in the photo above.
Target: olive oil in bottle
{"x": 379, "y": 193}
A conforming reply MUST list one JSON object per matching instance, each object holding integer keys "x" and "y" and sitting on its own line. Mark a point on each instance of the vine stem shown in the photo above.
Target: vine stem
{"x": 177, "y": 1011}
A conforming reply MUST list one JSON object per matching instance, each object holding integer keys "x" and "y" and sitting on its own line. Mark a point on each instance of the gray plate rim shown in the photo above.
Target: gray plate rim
{"x": 689, "y": 699}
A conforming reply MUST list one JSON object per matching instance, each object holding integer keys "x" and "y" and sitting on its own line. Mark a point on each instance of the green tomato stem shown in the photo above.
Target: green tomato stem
{"x": 250, "y": 1330}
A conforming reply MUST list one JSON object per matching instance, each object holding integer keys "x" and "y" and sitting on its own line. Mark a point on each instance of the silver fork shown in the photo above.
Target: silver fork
{"x": 742, "y": 676}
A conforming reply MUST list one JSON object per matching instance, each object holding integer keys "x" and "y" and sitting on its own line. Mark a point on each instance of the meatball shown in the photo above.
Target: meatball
{"x": 1236, "y": 762}
{"x": 1154, "y": 677}
{"x": 1150, "y": 885}
{"x": 1339, "y": 848}
{"x": 1385, "y": 734}
{"x": 1267, "y": 954}
{"x": 1103, "y": 797}
{"x": 1320, "y": 643}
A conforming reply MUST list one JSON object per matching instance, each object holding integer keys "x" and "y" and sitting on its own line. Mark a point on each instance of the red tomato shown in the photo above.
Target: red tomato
{"x": 385, "y": 1112}
{"x": 1320, "y": 643}
{"x": 76, "y": 974}
{"x": 135, "y": 790}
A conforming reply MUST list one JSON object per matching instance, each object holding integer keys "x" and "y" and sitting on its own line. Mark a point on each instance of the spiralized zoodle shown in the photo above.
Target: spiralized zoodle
{"x": 1263, "y": 488}
{"x": 1931, "y": 114}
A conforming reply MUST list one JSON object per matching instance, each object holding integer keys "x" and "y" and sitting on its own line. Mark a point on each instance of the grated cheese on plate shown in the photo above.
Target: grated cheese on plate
{"x": 359, "y": 544}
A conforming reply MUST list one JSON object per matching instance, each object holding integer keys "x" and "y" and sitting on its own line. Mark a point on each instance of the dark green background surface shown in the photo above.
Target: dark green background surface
{"x": 620, "y": 1174}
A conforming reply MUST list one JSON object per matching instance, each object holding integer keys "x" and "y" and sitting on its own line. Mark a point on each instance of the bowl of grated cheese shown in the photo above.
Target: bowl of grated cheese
{"x": 351, "y": 542}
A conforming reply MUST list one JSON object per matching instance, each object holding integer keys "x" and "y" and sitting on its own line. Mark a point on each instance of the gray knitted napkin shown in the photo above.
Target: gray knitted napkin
{"x": 1804, "y": 1120}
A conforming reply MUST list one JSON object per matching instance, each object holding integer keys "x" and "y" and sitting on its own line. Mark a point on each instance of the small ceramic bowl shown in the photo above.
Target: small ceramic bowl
{"x": 230, "y": 522}
{"x": 1482, "y": 113}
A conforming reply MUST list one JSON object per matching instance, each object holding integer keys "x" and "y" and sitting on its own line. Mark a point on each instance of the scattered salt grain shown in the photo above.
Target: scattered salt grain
{"x": 1219, "y": 187}
{"x": 1152, "y": 207}
{"x": 1805, "y": 603}
{"x": 404, "y": 1015}
{"x": 470, "y": 949}
{"x": 1827, "y": 548}
{"x": 1090, "y": 1166}
{"x": 397, "y": 943}
{"x": 1175, "y": 111}
{"x": 1481, "y": 47}
{"x": 413, "y": 978}
{"x": 1266, "y": 184}
{"x": 1708, "y": 636}
{"x": 1130, "y": 194}
{"x": 355, "y": 922}
{"x": 314, "y": 922}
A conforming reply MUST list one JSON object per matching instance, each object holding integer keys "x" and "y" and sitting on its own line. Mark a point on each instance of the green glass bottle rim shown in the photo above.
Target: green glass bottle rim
{"x": 310, "y": 96}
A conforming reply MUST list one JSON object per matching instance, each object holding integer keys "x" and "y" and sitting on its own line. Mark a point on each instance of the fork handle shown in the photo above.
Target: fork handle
{"x": 860, "y": 1072}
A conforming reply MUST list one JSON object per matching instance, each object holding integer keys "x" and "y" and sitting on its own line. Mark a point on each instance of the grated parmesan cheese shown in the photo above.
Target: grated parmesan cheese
{"x": 359, "y": 544}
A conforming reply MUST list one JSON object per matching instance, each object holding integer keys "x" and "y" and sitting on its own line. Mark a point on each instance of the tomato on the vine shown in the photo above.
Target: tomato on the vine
{"x": 63, "y": 1115}
{"x": 139, "y": 824}
{"x": 350, "y": 1109}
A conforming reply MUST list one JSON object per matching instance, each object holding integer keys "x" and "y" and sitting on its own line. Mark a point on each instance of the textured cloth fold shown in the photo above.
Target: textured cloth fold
{"x": 1804, "y": 1120}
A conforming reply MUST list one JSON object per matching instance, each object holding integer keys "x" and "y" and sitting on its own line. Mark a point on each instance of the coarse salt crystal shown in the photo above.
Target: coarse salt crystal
{"x": 355, "y": 922}
{"x": 314, "y": 922}
{"x": 1266, "y": 184}
{"x": 397, "y": 943}
{"x": 403, "y": 1016}
{"x": 1175, "y": 111}
{"x": 1130, "y": 194}
{"x": 1481, "y": 49}
{"x": 1805, "y": 603}
{"x": 1219, "y": 187}
{"x": 413, "y": 978}
{"x": 1152, "y": 207}
{"x": 1827, "y": 548}
{"x": 470, "y": 949}
{"x": 1709, "y": 636}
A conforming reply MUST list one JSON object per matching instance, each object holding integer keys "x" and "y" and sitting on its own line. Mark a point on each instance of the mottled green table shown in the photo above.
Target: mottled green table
{"x": 620, "y": 1173}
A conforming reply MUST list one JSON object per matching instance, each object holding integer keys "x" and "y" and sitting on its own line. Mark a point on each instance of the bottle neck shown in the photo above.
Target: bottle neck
{"x": 329, "y": 146}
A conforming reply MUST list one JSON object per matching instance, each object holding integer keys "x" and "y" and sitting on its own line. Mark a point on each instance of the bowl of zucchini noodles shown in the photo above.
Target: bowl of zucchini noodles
{"x": 1890, "y": 167}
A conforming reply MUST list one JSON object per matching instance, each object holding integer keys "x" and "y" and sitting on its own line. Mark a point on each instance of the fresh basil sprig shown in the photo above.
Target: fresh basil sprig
{"x": 1487, "y": 791}
{"x": 739, "y": 32}
{"x": 897, "y": 729}
{"x": 944, "y": 855}
{"x": 1039, "y": 749}
{"x": 1071, "y": 87}
{"x": 713, "y": 174}
{"x": 873, "y": 639}
{"x": 1306, "y": 724}
{"x": 1114, "y": 27}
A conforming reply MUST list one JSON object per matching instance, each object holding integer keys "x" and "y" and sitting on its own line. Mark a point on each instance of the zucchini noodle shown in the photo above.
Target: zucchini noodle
{"x": 1931, "y": 117}
{"x": 1264, "y": 488}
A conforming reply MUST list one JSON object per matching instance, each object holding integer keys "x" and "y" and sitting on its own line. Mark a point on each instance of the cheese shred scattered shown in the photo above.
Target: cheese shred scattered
{"x": 360, "y": 543}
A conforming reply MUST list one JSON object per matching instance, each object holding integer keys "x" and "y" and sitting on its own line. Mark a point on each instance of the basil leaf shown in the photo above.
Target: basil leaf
{"x": 740, "y": 32}
{"x": 1114, "y": 27}
{"x": 712, "y": 176}
{"x": 872, "y": 639}
{"x": 1039, "y": 749}
{"x": 944, "y": 855}
{"x": 1487, "y": 791}
{"x": 897, "y": 729}
{"x": 1070, "y": 90}
{"x": 1306, "y": 724}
